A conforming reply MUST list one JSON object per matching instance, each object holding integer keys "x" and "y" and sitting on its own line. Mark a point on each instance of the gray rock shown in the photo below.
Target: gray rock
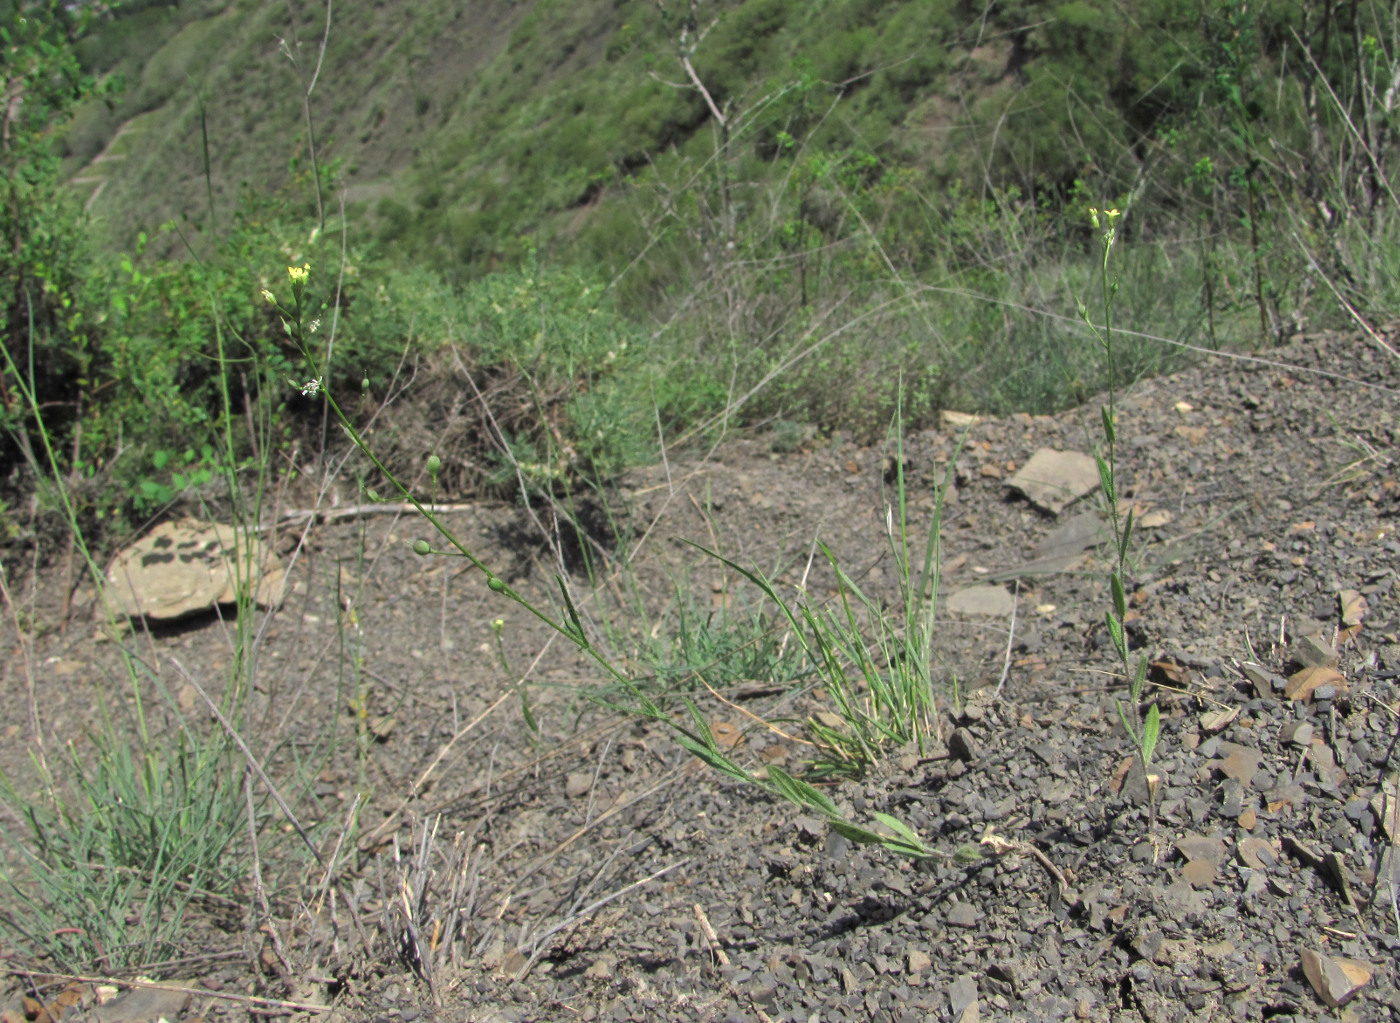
{"x": 1054, "y": 479}
{"x": 987, "y": 601}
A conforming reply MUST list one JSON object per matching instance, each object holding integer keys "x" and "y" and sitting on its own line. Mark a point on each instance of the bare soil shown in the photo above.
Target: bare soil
{"x": 1263, "y": 848}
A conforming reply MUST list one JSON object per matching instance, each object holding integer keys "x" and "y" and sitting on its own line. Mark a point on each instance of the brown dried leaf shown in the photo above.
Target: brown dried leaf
{"x": 1301, "y": 684}
{"x": 1353, "y": 606}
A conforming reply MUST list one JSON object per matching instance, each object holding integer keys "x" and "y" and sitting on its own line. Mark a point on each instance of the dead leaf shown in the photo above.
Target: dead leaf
{"x": 1302, "y": 684}
{"x": 1169, "y": 673}
{"x": 1353, "y": 606}
{"x": 1215, "y": 720}
{"x": 727, "y": 734}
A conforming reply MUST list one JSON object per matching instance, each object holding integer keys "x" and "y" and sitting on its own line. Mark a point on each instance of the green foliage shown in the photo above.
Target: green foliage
{"x": 142, "y": 834}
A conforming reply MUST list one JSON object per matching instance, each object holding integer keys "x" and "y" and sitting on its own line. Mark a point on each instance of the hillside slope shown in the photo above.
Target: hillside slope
{"x": 464, "y": 127}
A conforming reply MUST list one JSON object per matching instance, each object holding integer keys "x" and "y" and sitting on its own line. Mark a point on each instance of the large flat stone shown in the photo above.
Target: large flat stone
{"x": 186, "y": 566}
{"x": 1054, "y": 479}
{"x": 986, "y": 601}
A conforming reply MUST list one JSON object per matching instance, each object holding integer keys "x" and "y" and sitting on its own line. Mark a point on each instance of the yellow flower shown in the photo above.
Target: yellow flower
{"x": 299, "y": 274}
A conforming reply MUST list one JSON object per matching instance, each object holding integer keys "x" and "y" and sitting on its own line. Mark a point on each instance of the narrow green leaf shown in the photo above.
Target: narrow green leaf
{"x": 1129, "y": 722}
{"x": 859, "y": 835}
{"x": 1110, "y": 493}
{"x": 901, "y": 829}
{"x": 806, "y": 794}
{"x": 1120, "y": 599}
{"x": 579, "y": 636}
{"x": 1127, "y": 533}
{"x": 1115, "y": 631}
{"x": 1108, "y": 430}
{"x": 1139, "y": 678}
{"x": 1150, "y": 732}
{"x": 528, "y": 714}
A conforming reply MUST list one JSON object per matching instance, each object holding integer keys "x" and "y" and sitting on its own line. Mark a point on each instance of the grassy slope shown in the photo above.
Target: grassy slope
{"x": 462, "y": 127}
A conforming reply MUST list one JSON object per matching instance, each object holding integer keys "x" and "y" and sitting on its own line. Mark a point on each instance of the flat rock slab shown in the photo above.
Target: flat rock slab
{"x": 987, "y": 601}
{"x": 185, "y": 566}
{"x": 1052, "y": 479}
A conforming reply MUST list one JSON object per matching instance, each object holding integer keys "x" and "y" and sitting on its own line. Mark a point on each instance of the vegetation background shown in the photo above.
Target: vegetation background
{"x": 537, "y": 242}
{"x": 632, "y": 220}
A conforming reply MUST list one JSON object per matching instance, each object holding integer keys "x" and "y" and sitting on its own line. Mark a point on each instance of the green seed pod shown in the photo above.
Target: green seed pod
{"x": 434, "y": 465}
{"x": 364, "y": 384}
{"x": 373, "y": 495}
{"x": 497, "y": 584}
{"x": 422, "y": 547}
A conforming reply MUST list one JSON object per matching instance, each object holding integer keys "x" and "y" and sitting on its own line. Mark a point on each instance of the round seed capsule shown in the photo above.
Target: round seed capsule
{"x": 422, "y": 547}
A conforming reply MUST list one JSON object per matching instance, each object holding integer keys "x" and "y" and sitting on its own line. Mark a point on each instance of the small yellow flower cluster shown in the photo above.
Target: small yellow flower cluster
{"x": 299, "y": 274}
{"x": 1112, "y": 216}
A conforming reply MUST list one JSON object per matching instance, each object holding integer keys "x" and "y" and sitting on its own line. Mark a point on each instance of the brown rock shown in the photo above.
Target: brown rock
{"x": 1200, "y": 873}
{"x": 1335, "y": 980}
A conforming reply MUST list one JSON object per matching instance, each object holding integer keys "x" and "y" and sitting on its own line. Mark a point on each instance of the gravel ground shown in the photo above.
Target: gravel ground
{"x": 1252, "y": 876}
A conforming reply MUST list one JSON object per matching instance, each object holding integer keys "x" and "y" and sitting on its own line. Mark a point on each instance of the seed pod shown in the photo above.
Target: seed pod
{"x": 434, "y": 465}
{"x": 497, "y": 584}
{"x": 422, "y": 547}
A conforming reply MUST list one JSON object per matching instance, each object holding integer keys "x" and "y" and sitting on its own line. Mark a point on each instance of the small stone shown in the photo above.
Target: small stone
{"x": 963, "y": 745}
{"x": 1255, "y": 852}
{"x": 1335, "y": 980}
{"x": 1240, "y": 763}
{"x": 1200, "y": 873}
{"x": 984, "y": 601}
{"x": 917, "y": 961}
{"x": 1296, "y": 733}
{"x": 963, "y": 914}
{"x": 1053, "y": 479}
{"x": 578, "y": 784}
{"x": 1314, "y": 652}
{"x": 962, "y": 993}
{"x": 1210, "y": 848}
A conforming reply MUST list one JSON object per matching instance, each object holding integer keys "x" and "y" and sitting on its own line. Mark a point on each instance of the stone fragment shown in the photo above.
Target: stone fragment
{"x": 917, "y": 961}
{"x": 956, "y": 422}
{"x": 963, "y": 914}
{"x": 1200, "y": 873}
{"x": 1385, "y": 804}
{"x": 1314, "y": 652}
{"x": 962, "y": 995}
{"x": 1067, "y": 543}
{"x": 578, "y": 784}
{"x": 1053, "y": 479}
{"x": 1202, "y": 847}
{"x": 1240, "y": 763}
{"x": 1261, "y": 680}
{"x": 143, "y": 1005}
{"x": 1296, "y": 733}
{"x": 1255, "y": 852}
{"x": 986, "y": 601}
{"x": 1335, "y": 980}
{"x": 185, "y": 566}
{"x": 963, "y": 745}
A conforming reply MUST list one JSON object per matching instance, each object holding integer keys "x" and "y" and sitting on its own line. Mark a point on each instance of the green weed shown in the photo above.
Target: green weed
{"x": 1145, "y": 733}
